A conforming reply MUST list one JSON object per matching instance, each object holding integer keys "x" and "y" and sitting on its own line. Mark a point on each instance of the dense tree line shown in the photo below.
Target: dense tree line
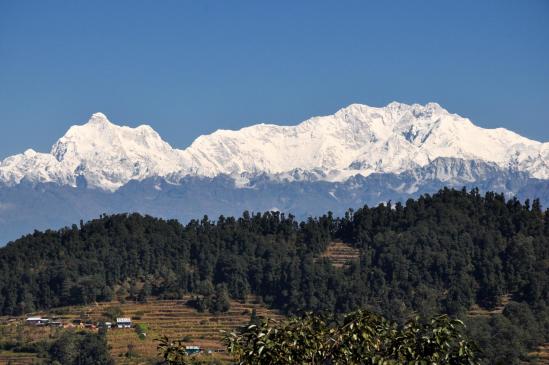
{"x": 437, "y": 254}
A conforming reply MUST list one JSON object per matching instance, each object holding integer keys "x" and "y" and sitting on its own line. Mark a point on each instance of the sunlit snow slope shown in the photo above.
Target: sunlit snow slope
{"x": 356, "y": 140}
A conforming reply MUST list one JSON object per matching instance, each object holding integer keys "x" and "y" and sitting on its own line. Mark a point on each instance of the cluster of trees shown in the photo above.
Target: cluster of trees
{"x": 507, "y": 337}
{"x": 215, "y": 302}
{"x": 69, "y": 347}
{"x": 80, "y": 348}
{"x": 437, "y": 254}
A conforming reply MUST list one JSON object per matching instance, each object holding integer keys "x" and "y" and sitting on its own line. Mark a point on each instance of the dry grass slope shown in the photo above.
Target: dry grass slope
{"x": 477, "y": 311}
{"x": 172, "y": 318}
{"x": 11, "y": 330}
{"x": 541, "y": 355}
{"x": 7, "y": 357}
{"x": 340, "y": 254}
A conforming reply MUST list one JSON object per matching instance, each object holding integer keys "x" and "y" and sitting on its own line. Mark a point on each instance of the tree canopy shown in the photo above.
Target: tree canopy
{"x": 360, "y": 337}
{"x": 438, "y": 254}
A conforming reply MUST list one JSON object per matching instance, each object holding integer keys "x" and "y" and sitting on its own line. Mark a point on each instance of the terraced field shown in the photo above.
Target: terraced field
{"x": 14, "y": 329}
{"x": 477, "y": 311}
{"x": 340, "y": 254}
{"x": 172, "y": 318}
{"x": 541, "y": 354}
{"x": 14, "y": 358}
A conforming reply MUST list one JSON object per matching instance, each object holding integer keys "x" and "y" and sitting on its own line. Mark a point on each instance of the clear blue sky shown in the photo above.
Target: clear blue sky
{"x": 188, "y": 68}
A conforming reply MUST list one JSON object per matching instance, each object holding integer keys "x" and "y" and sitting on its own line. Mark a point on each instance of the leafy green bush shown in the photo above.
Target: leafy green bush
{"x": 141, "y": 329}
{"x": 361, "y": 338}
{"x": 113, "y": 312}
{"x": 80, "y": 348}
{"x": 186, "y": 338}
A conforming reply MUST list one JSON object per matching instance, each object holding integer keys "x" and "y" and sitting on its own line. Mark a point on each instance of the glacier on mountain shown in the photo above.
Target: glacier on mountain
{"x": 359, "y": 155}
{"x": 356, "y": 140}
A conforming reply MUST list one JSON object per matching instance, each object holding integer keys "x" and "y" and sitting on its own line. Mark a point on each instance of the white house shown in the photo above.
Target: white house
{"x": 37, "y": 321}
{"x": 123, "y": 322}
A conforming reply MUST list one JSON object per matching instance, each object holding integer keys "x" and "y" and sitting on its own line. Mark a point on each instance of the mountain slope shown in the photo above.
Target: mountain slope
{"x": 106, "y": 155}
{"x": 25, "y": 207}
{"x": 362, "y": 140}
{"x": 360, "y": 155}
{"x": 356, "y": 140}
{"x": 437, "y": 254}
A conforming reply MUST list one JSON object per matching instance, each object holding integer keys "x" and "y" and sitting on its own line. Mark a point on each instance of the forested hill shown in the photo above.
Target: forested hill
{"x": 439, "y": 253}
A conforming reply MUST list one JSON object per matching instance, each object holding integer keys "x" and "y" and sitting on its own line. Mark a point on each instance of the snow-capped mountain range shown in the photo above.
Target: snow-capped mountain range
{"x": 356, "y": 140}
{"x": 359, "y": 155}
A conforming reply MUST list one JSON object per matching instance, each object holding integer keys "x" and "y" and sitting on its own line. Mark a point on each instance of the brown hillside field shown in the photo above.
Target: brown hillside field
{"x": 477, "y": 311}
{"x": 541, "y": 355}
{"x": 15, "y": 330}
{"x": 340, "y": 254}
{"x": 7, "y": 357}
{"x": 172, "y": 318}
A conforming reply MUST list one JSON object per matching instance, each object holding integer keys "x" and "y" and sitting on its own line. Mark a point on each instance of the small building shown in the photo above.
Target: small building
{"x": 123, "y": 322}
{"x": 37, "y": 321}
{"x": 191, "y": 350}
{"x": 56, "y": 324}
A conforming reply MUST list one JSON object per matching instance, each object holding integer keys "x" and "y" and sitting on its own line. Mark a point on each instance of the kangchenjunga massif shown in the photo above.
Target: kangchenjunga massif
{"x": 359, "y": 155}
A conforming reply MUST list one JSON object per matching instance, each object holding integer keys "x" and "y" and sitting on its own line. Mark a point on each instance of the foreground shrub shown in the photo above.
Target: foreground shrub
{"x": 361, "y": 337}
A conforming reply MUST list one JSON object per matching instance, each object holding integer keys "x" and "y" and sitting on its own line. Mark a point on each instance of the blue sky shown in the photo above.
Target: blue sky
{"x": 191, "y": 67}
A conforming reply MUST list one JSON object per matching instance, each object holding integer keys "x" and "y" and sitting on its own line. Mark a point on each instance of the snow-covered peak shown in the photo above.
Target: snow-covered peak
{"x": 34, "y": 167}
{"x": 360, "y": 139}
{"x": 357, "y": 139}
{"x": 99, "y": 134}
{"x": 29, "y": 153}
{"x": 108, "y": 155}
{"x": 99, "y": 119}
{"x": 105, "y": 154}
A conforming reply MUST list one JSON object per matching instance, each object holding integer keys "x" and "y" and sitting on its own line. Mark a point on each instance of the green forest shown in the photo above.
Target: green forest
{"x": 438, "y": 254}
